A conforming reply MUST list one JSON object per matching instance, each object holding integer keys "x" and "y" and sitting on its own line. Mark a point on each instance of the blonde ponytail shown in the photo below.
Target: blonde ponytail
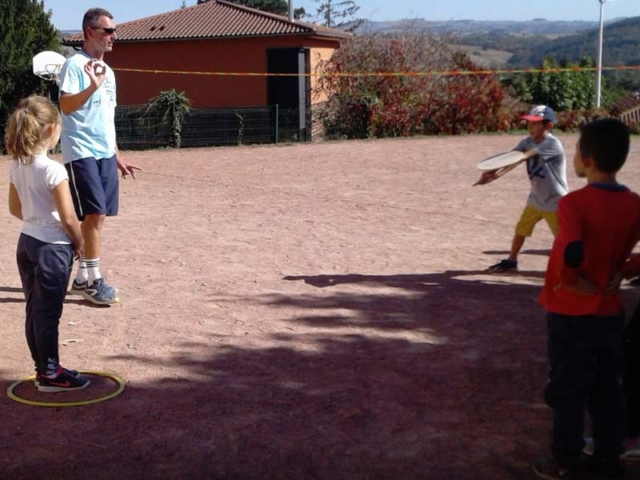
{"x": 27, "y": 127}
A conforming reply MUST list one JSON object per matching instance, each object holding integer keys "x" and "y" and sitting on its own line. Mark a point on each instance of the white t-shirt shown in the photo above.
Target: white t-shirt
{"x": 34, "y": 183}
{"x": 90, "y": 131}
{"x": 547, "y": 172}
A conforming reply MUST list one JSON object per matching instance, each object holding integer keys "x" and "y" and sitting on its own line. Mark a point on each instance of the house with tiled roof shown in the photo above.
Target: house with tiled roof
{"x": 628, "y": 109}
{"x": 222, "y": 55}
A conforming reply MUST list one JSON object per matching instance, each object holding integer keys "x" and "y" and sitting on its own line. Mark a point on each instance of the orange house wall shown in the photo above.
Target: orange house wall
{"x": 237, "y": 55}
{"x": 318, "y": 56}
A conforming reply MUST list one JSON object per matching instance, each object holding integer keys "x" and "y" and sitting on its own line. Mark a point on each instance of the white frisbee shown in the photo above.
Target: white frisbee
{"x": 501, "y": 160}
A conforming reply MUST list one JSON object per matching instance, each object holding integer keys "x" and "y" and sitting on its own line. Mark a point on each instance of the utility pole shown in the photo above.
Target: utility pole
{"x": 599, "y": 69}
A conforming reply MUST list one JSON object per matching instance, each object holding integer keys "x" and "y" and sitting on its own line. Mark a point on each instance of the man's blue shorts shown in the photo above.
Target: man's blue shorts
{"x": 94, "y": 186}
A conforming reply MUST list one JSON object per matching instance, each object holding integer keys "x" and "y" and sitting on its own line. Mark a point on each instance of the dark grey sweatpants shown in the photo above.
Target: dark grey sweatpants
{"x": 585, "y": 356}
{"x": 45, "y": 269}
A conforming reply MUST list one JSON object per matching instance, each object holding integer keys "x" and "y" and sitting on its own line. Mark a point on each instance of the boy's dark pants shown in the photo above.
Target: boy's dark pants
{"x": 585, "y": 357}
{"x": 631, "y": 351}
{"x": 44, "y": 269}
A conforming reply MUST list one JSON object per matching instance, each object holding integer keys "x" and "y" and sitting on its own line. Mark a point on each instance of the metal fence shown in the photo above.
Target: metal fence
{"x": 136, "y": 129}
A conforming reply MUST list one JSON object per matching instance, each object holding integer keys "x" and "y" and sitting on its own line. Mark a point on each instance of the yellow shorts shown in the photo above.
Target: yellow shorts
{"x": 531, "y": 216}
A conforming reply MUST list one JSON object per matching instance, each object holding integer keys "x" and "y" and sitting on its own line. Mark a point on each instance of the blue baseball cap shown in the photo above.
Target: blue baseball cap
{"x": 541, "y": 112}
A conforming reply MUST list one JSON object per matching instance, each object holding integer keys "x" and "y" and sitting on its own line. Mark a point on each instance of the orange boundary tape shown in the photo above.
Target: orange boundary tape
{"x": 436, "y": 73}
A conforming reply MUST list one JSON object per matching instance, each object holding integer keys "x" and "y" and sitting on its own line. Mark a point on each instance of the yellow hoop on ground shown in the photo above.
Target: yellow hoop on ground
{"x": 34, "y": 403}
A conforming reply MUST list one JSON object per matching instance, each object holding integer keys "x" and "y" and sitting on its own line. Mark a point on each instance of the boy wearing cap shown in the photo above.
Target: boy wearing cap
{"x": 547, "y": 170}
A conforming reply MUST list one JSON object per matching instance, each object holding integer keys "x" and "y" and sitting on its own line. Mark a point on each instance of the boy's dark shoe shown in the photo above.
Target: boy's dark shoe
{"x": 64, "y": 382}
{"x": 605, "y": 467}
{"x": 505, "y": 265}
{"x": 552, "y": 469}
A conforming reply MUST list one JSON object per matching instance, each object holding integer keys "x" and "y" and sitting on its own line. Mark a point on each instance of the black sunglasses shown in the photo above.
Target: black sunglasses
{"x": 108, "y": 31}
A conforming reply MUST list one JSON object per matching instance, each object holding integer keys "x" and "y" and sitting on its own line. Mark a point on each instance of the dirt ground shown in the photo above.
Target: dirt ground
{"x": 313, "y": 311}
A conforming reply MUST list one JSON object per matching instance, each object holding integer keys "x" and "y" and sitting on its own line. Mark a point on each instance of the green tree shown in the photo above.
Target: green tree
{"x": 25, "y": 30}
{"x": 339, "y": 14}
{"x": 566, "y": 90}
{"x": 171, "y": 108}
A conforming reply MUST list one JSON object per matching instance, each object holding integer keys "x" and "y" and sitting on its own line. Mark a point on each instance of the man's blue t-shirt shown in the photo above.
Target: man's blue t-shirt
{"x": 89, "y": 131}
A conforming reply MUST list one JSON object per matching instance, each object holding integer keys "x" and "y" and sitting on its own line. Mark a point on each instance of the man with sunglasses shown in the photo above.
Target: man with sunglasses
{"x": 88, "y": 101}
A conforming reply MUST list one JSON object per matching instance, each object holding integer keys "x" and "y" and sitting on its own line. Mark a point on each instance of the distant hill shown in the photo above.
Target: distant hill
{"x": 621, "y": 46}
{"x": 528, "y": 43}
{"x": 464, "y": 28}
{"x": 499, "y": 44}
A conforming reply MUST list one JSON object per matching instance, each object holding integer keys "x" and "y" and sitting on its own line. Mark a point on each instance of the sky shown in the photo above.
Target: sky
{"x": 67, "y": 14}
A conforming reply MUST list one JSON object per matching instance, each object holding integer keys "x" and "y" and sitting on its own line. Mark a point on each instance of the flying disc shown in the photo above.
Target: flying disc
{"x": 501, "y": 160}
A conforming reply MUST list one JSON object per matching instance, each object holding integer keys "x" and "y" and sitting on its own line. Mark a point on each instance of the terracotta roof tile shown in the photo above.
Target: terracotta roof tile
{"x": 626, "y": 104}
{"x": 213, "y": 19}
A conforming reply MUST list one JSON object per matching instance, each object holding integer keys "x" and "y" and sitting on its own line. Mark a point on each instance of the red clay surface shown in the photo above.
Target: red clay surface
{"x": 313, "y": 311}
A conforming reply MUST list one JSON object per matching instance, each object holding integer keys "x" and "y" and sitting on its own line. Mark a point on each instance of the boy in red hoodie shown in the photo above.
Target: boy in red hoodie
{"x": 599, "y": 227}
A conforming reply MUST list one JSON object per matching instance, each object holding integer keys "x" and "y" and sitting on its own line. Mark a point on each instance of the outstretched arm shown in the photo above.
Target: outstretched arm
{"x": 530, "y": 154}
{"x": 491, "y": 175}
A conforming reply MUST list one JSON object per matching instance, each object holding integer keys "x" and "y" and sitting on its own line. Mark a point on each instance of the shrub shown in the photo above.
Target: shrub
{"x": 561, "y": 90}
{"x": 572, "y": 120}
{"x": 374, "y": 90}
{"x": 171, "y": 107}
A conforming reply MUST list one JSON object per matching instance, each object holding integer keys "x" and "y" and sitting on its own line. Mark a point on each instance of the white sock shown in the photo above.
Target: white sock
{"x": 93, "y": 269}
{"x": 81, "y": 274}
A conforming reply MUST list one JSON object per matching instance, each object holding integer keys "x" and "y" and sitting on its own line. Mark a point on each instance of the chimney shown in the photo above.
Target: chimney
{"x": 291, "y": 10}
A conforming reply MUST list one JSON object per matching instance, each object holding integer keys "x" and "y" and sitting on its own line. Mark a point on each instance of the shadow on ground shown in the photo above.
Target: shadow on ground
{"x": 544, "y": 252}
{"x": 434, "y": 376}
{"x": 19, "y": 298}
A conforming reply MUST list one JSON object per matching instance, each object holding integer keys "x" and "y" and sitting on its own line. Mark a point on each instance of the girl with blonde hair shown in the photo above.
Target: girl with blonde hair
{"x": 50, "y": 236}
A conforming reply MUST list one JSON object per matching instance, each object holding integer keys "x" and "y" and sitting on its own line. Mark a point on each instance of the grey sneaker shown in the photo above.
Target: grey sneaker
{"x": 77, "y": 288}
{"x": 100, "y": 293}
